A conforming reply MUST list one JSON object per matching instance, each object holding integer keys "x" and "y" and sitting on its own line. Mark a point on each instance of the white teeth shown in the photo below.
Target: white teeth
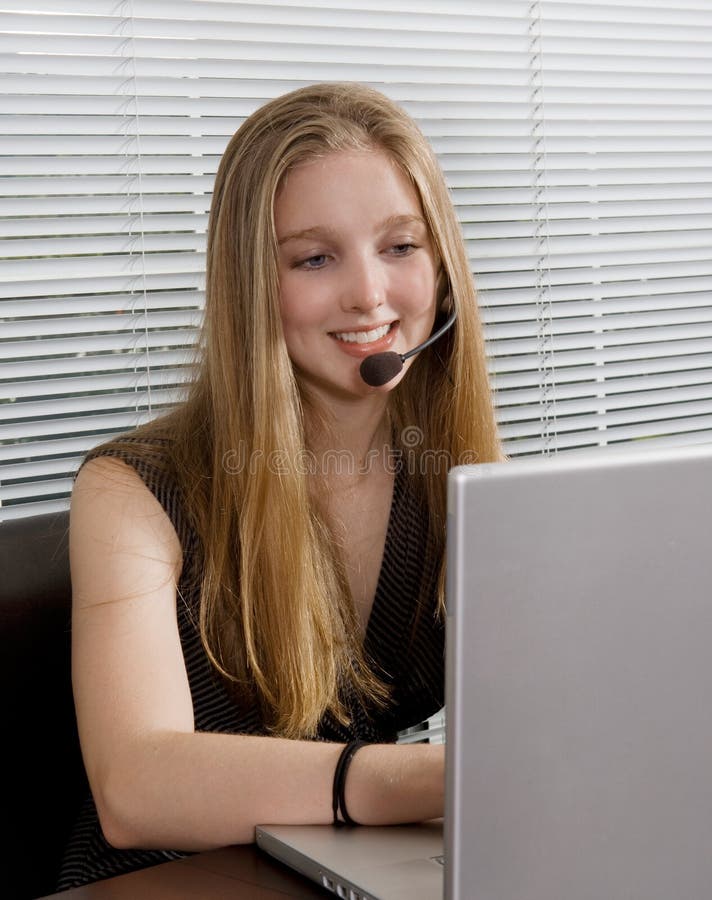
{"x": 362, "y": 337}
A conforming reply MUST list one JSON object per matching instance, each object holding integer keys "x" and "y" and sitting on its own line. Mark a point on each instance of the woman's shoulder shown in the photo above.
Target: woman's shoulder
{"x": 136, "y": 448}
{"x": 120, "y": 536}
{"x": 128, "y": 465}
{"x": 149, "y": 452}
{"x": 113, "y": 506}
{"x": 136, "y": 471}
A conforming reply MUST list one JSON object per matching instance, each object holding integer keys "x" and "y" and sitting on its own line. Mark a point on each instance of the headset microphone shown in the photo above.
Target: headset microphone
{"x": 381, "y": 368}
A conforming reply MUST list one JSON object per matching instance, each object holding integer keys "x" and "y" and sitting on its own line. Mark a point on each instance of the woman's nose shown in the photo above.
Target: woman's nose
{"x": 365, "y": 288}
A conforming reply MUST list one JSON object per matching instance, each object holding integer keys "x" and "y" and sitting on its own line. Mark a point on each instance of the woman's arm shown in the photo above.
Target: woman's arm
{"x": 156, "y": 782}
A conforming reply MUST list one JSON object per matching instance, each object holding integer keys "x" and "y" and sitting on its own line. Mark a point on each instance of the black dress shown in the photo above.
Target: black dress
{"x": 404, "y": 641}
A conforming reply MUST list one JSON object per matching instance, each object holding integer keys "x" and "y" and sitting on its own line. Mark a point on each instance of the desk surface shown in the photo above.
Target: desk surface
{"x": 232, "y": 873}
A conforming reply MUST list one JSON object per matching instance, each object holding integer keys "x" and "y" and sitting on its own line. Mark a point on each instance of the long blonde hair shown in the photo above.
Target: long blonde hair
{"x": 277, "y": 619}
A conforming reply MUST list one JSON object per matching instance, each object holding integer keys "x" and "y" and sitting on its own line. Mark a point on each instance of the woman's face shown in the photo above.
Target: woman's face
{"x": 356, "y": 266}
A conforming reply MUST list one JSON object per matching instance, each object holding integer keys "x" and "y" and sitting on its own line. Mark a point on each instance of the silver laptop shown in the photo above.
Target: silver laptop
{"x": 399, "y": 862}
{"x": 579, "y": 664}
{"x": 579, "y": 721}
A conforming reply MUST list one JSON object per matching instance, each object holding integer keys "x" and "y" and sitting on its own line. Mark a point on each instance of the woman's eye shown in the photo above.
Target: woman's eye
{"x": 313, "y": 262}
{"x": 402, "y": 249}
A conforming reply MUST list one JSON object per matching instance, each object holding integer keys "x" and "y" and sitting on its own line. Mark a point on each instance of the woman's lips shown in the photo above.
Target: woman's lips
{"x": 352, "y": 348}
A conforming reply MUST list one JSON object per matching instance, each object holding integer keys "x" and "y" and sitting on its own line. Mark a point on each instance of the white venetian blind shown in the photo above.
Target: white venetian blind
{"x": 576, "y": 138}
{"x": 594, "y": 232}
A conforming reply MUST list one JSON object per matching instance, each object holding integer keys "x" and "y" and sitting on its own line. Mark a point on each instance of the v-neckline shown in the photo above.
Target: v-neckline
{"x": 388, "y": 550}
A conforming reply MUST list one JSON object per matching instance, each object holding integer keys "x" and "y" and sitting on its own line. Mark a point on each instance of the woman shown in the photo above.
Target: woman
{"x": 258, "y": 575}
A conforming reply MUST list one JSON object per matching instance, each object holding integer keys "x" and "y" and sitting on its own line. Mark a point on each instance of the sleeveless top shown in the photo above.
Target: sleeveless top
{"x": 404, "y": 605}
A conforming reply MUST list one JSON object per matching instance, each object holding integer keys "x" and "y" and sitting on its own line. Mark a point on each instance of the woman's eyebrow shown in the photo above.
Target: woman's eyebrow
{"x": 322, "y": 231}
{"x": 316, "y": 231}
{"x": 396, "y": 221}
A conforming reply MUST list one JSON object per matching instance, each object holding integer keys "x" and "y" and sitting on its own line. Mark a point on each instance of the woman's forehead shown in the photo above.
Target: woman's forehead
{"x": 343, "y": 184}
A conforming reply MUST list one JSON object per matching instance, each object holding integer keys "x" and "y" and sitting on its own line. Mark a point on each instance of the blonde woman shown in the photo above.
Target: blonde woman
{"x": 258, "y": 575}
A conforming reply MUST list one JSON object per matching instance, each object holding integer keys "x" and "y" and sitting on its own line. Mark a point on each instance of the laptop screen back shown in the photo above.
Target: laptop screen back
{"x": 579, "y": 724}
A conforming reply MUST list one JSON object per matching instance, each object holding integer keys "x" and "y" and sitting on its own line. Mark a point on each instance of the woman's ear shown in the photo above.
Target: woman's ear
{"x": 442, "y": 292}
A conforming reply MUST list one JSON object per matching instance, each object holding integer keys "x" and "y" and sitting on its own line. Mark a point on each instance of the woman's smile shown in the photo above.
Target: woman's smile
{"x": 363, "y": 342}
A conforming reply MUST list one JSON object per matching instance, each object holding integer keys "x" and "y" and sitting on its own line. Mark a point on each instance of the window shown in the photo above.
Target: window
{"x": 576, "y": 138}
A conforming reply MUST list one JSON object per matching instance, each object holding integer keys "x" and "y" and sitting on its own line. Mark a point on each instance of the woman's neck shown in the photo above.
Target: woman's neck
{"x": 352, "y": 440}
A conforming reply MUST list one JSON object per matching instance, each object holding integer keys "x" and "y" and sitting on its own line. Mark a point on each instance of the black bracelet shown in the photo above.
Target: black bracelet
{"x": 338, "y": 803}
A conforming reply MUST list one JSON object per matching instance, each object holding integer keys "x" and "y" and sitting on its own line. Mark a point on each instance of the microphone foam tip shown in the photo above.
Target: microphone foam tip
{"x": 380, "y": 368}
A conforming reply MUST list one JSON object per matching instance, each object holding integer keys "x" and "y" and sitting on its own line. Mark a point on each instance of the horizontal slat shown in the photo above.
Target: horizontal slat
{"x": 113, "y": 284}
{"x": 633, "y": 231}
{"x": 30, "y": 508}
{"x": 137, "y": 322}
{"x": 117, "y": 284}
{"x": 320, "y": 44}
{"x": 634, "y": 424}
{"x": 67, "y": 387}
{"x": 49, "y": 468}
{"x": 120, "y": 362}
{"x": 683, "y": 12}
{"x": 133, "y": 182}
{"x": 611, "y": 281}
{"x": 600, "y": 252}
{"x": 499, "y": 129}
{"x": 296, "y": 62}
{"x": 125, "y": 164}
{"x": 228, "y": 12}
{"x": 299, "y": 62}
{"x": 47, "y": 415}
{"x": 633, "y": 389}
{"x": 236, "y": 89}
{"x": 113, "y": 421}
{"x": 640, "y": 118}
{"x": 124, "y": 342}
{"x": 307, "y": 22}
{"x": 618, "y": 184}
{"x": 628, "y": 327}
{"x": 636, "y": 341}
{"x": 643, "y": 405}
{"x": 23, "y": 99}
{"x": 61, "y": 225}
{"x": 320, "y": 39}
{"x": 591, "y": 297}
{"x": 592, "y": 211}
{"x": 604, "y": 194}
{"x": 108, "y": 244}
{"x": 26, "y": 471}
{"x": 657, "y": 141}
{"x": 128, "y": 204}
{"x": 324, "y": 40}
{"x": 613, "y": 377}
{"x": 603, "y": 355}
{"x": 78, "y": 444}
{"x": 97, "y": 303}
{"x": 92, "y": 267}
{"x": 12, "y": 492}
{"x": 587, "y": 440}
{"x": 487, "y": 256}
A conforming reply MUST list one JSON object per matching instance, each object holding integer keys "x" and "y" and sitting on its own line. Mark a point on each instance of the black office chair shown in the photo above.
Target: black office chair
{"x": 43, "y": 780}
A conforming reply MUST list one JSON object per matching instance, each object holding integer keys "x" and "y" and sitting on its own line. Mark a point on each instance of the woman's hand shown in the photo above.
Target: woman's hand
{"x": 390, "y": 783}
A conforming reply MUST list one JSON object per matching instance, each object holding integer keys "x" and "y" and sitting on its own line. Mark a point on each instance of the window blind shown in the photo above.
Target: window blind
{"x": 575, "y": 138}
{"x": 597, "y": 273}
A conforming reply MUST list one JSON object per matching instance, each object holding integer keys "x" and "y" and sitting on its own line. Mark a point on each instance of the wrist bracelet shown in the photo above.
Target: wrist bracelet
{"x": 338, "y": 802}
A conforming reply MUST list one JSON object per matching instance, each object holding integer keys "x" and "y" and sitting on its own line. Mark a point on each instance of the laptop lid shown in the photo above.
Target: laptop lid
{"x": 400, "y": 862}
{"x": 579, "y": 669}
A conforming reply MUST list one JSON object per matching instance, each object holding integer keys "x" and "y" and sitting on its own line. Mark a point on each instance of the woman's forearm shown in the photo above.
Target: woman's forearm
{"x": 199, "y": 791}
